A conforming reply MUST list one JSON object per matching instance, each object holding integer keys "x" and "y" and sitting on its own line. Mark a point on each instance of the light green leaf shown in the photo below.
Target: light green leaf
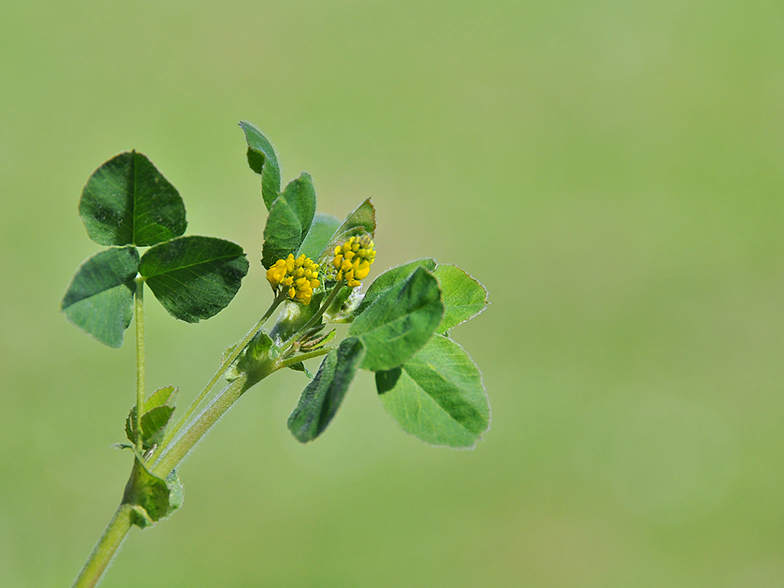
{"x": 128, "y": 202}
{"x": 149, "y": 496}
{"x": 320, "y": 234}
{"x": 300, "y": 367}
{"x": 360, "y": 221}
{"x": 391, "y": 278}
{"x": 399, "y": 321}
{"x": 99, "y": 299}
{"x": 438, "y": 396}
{"x": 253, "y": 361}
{"x": 293, "y": 317}
{"x": 176, "y": 493}
{"x": 322, "y": 397}
{"x": 156, "y": 414}
{"x": 194, "y": 277}
{"x": 463, "y": 296}
{"x": 162, "y": 397}
{"x": 289, "y": 220}
{"x": 154, "y": 424}
{"x": 262, "y": 160}
{"x": 344, "y": 306}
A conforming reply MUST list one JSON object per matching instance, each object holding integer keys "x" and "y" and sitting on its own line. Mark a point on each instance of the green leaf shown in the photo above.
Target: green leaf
{"x": 438, "y": 395}
{"x": 399, "y": 321}
{"x": 362, "y": 220}
{"x": 156, "y": 414}
{"x": 387, "y": 379}
{"x": 344, "y": 306}
{"x": 300, "y": 367}
{"x": 128, "y": 202}
{"x": 322, "y": 397}
{"x": 463, "y": 296}
{"x": 293, "y": 317}
{"x": 99, "y": 299}
{"x": 338, "y": 306}
{"x": 154, "y": 424}
{"x": 253, "y": 361}
{"x": 391, "y": 278}
{"x": 176, "y": 493}
{"x": 162, "y": 397}
{"x": 289, "y": 220}
{"x": 262, "y": 160}
{"x": 149, "y": 495}
{"x": 320, "y": 234}
{"x": 194, "y": 277}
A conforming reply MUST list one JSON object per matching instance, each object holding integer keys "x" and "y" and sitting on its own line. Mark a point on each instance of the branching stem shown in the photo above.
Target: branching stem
{"x": 225, "y": 364}
{"x": 315, "y": 318}
{"x": 185, "y": 435}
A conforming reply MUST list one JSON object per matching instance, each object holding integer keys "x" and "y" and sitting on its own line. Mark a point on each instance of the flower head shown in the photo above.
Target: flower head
{"x": 353, "y": 259}
{"x": 296, "y": 277}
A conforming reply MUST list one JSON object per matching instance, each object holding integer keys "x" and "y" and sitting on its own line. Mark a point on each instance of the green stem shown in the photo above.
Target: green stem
{"x": 139, "y": 312}
{"x": 322, "y": 309}
{"x": 302, "y": 357}
{"x": 120, "y": 524}
{"x": 217, "y": 408}
{"x": 221, "y": 403}
{"x": 217, "y": 376}
{"x": 174, "y": 452}
{"x": 107, "y": 546}
{"x": 196, "y": 430}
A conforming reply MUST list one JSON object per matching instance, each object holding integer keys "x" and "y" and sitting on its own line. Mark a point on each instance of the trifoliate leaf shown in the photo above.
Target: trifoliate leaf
{"x": 99, "y": 299}
{"x": 128, "y": 202}
{"x": 438, "y": 395}
{"x": 194, "y": 277}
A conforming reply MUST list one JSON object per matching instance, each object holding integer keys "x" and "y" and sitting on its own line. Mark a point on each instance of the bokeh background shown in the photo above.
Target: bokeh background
{"x": 611, "y": 171}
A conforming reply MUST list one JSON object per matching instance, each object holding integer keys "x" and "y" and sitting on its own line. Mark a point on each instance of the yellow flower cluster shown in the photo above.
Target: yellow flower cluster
{"x": 299, "y": 276}
{"x": 353, "y": 259}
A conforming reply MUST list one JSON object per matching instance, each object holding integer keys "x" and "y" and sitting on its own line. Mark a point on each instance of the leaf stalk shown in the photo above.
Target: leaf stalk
{"x": 140, "y": 359}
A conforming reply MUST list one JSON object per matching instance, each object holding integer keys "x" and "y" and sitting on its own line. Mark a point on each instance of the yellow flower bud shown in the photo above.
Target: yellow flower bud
{"x": 353, "y": 260}
{"x": 297, "y": 277}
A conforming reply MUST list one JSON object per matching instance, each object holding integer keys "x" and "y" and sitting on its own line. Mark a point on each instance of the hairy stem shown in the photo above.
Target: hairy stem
{"x": 140, "y": 384}
{"x": 107, "y": 546}
{"x": 196, "y": 430}
{"x": 323, "y": 308}
{"x": 225, "y": 364}
{"x": 284, "y": 363}
{"x": 174, "y": 449}
{"x": 120, "y": 524}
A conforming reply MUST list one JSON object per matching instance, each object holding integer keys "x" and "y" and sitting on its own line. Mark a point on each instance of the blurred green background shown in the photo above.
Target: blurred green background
{"x": 611, "y": 171}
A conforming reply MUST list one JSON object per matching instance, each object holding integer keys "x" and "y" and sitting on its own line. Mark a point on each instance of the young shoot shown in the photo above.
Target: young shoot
{"x": 317, "y": 266}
